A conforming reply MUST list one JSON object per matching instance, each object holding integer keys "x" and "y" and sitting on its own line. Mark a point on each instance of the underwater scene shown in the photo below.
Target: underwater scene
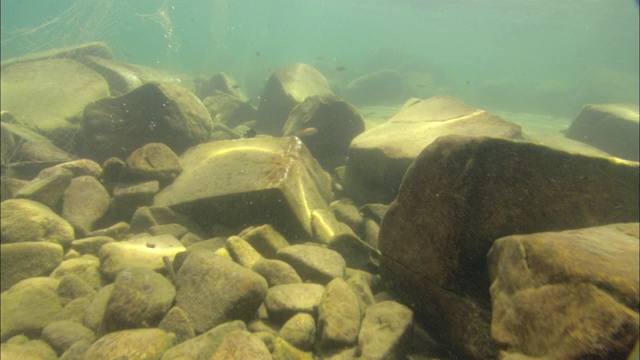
{"x": 330, "y": 180}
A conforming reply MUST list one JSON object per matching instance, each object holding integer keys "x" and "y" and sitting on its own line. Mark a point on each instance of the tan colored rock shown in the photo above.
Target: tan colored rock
{"x": 26, "y": 220}
{"x": 85, "y": 202}
{"x": 25, "y": 260}
{"x": 153, "y": 112}
{"x": 124, "y": 77}
{"x": 378, "y": 158}
{"x": 250, "y": 181}
{"x": 461, "y": 194}
{"x": 145, "y": 252}
{"x": 286, "y": 88}
{"x": 131, "y": 344}
{"x": 568, "y": 295}
{"x": 610, "y": 127}
{"x": 46, "y": 94}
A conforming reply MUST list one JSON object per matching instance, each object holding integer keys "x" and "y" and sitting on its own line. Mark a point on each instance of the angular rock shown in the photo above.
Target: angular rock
{"x": 286, "y": 88}
{"x": 241, "y": 344}
{"x": 612, "y": 128}
{"x": 128, "y": 198}
{"x": 214, "y": 290}
{"x": 569, "y": 295}
{"x": 338, "y": 316}
{"x": 237, "y": 183}
{"x": 461, "y": 194}
{"x": 326, "y": 124}
{"x": 314, "y": 263}
{"x": 26, "y": 221}
{"x": 378, "y": 158}
{"x": 46, "y": 94}
{"x": 203, "y": 346}
{"x": 27, "y": 312}
{"x": 386, "y": 331}
{"x": 85, "y": 202}
{"x": 146, "y": 252}
{"x": 140, "y": 298}
{"x": 25, "y": 260}
{"x": 62, "y": 334}
{"x": 284, "y": 301}
{"x": 153, "y": 112}
{"x": 131, "y": 344}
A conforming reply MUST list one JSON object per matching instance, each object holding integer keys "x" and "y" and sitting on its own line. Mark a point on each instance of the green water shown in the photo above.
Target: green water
{"x": 548, "y": 57}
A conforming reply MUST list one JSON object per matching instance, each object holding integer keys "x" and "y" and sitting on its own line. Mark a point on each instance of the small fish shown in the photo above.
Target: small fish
{"x": 306, "y": 132}
{"x": 251, "y": 133}
{"x": 341, "y": 68}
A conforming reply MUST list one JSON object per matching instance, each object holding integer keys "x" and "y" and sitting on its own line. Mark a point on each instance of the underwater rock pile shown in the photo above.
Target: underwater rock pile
{"x": 163, "y": 219}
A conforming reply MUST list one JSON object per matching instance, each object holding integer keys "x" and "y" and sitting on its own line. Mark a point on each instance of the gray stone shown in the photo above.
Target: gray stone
{"x": 275, "y": 181}
{"x": 153, "y": 112}
{"x": 339, "y": 316}
{"x": 386, "y": 331}
{"x": 140, "y": 298}
{"x": 145, "y": 252}
{"x": 610, "y": 127}
{"x": 286, "y": 88}
{"x": 569, "y": 295}
{"x": 214, "y": 290}
{"x": 25, "y": 220}
{"x": 314, "y": 263}
{"x": 276, "y": 272}
{"x": 27, "y": 312}
{"x": 131, "y": 344}
{"x": 85, "y": 202}
{"x": 299, "y": 331}
{"x": 62, "y": 334}
{"x": 203, "y": 346}
{"x": 378, "y": 158}
{"x": 284, "y": 301}
{"x": 463, "y": 193}
{"x": 241, "y": 344}
{"x": 25, "y": 260}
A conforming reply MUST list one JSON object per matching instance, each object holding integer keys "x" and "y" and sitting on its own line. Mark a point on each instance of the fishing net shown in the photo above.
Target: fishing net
{"x": 112, "y": 21}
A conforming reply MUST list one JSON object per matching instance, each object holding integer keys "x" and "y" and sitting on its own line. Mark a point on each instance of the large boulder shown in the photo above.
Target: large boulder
{"x": 567, "y": 295}
{"x": 461, "y": 194}
{"x": 286, "y": 88}
{"x": 153, "y": 112}
{"x": 378, "y": 158}
{"x": 49, "y": 95}
{"x": 610, "y": 127}
{"x": 250, "y": 181}
{"x": 382, "y": 86}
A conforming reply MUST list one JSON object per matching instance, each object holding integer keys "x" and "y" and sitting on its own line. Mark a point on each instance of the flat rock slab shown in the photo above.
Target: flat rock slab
{"x": 610, "y": 127}
{"x": 250, "y": 181}
{"x": 378, "y": 158}
{"x": 44, "y": 94}
{"x": 463, "y": 193}
{"x": 568, "y": 295}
